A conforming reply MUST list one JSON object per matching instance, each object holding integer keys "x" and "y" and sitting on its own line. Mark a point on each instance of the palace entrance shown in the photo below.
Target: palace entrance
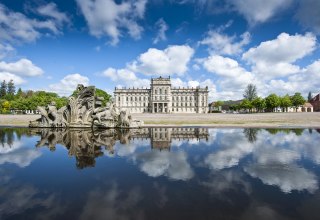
{"x": 160, "y": 108}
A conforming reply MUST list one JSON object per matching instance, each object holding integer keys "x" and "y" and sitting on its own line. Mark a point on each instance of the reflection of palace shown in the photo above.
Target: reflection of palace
{"x": 85, "y": 145}
{"x": 161, "y": 137}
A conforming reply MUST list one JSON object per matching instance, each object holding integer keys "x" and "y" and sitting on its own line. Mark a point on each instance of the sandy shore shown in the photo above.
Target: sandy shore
{"x": 309, "y": 120}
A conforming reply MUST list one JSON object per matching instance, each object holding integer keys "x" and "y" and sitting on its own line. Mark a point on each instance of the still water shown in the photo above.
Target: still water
{"x": 160, "y": 173}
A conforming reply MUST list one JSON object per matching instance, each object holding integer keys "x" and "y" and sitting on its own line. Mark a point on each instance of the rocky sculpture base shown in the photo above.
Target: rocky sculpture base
{"x": 84, "y": 110}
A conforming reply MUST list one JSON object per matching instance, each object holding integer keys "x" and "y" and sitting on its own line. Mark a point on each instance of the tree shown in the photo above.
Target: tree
{"x": 250, "y": 93}
{"x": 309, "y": 96}
{"x": 246, "y": 104}
{"x": 105, "y": 95}
{"x": 218, "y": 104}
{"x": 5, "y": 107}
{"x": 259, "y": 104}
{"x": 3, "y": 88}
{"x": 272, "y": 101}
{"x": 19, "y": 93}
{"x": 297, "y": 100}
{"x": 285, "y": 102}
{"x": 11, "y": 89}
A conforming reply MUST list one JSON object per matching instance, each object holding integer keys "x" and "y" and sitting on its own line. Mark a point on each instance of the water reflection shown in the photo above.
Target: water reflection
{"x": 160, "y": 173}
{"x": 86, "y": 145}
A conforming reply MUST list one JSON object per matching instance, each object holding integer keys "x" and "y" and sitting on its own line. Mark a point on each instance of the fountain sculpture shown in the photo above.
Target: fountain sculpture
{"x": 84, "y": 110}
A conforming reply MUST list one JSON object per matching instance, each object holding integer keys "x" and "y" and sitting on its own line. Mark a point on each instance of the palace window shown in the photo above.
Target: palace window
{"x": 160, "y": 91}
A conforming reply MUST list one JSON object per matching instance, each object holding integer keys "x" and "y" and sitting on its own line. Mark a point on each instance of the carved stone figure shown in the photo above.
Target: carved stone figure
{"x": 84, "y": 110}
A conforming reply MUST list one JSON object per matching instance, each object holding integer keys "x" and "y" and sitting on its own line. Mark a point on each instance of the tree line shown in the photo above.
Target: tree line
{"x": 252, "y": 101}
{"x": 30, "y": 100}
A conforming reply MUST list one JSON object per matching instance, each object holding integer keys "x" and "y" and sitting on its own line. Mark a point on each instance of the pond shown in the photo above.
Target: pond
{"x": 159, "y": 173}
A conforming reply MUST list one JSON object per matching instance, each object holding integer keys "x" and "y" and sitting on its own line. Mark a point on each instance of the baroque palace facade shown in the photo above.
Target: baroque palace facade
{"x": 162, "y": 98}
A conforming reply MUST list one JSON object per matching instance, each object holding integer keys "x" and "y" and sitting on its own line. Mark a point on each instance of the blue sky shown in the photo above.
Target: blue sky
{"x": 222, "y": 44}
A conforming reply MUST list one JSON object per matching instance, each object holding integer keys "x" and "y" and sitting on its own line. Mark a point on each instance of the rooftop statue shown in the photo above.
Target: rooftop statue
{"x": 84, "y": 110}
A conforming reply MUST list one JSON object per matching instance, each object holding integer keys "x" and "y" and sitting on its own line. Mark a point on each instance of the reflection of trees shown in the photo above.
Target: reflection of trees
{"x": 7, "y": 135}
{"x": 297, "y": 131}
{"x": 251, "y": 134}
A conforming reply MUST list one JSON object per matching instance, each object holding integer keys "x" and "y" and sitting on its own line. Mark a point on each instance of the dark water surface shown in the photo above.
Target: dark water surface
{"x": 160, "y": 173}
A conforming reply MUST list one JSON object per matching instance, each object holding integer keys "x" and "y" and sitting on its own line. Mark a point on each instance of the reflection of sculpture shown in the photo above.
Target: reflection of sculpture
{"x": 84, "y": 110}
{"x": 87, "y": 144}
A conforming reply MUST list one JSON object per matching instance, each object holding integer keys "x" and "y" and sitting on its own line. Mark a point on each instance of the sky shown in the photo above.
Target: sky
{"x": 222, "y": 44}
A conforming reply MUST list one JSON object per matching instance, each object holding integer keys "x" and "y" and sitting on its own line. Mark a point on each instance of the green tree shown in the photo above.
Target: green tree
{"x": 297, "y": 100}
{"x": 5, "y": 107}
{"x": 246, "y": 104}
{"x": 11, "y": 89}
{"x": 218, "y": 104}
{"x": 285, "y": 102}
{"x": 3, "y": 89}
{"x": 105, "y": 95}
{"x": 250, "y": 93}
{"x": 19, "y": 93}
{"x": 309, "y": 96}
{"x": 272, "y": 101}
{"x": 259, "y": 103}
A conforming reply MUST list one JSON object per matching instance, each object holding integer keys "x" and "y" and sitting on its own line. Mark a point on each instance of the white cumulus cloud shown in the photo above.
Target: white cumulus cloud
{"x": 69, "y": 83}
{"x": 275, "y": 58}
{"x": 22, "y": 67}
{"x": 106, "y": 17}
{"x": 220, "y": 43}
{"x": 172, "y": 60}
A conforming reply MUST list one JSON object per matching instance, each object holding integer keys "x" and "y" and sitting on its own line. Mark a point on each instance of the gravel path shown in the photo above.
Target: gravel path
{"x": 211, "y": 120}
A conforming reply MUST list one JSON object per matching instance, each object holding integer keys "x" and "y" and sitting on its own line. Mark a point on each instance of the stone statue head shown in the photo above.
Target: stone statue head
{"x": 53, "y": 103}
{"x": 80, "y": 87}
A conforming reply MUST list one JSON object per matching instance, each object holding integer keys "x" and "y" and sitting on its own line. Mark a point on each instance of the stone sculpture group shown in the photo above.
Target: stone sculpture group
{"x": 84, "y": 109}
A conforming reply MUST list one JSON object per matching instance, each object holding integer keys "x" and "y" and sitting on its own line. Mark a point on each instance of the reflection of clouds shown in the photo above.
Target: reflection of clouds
{"x": 262, "y": 212}
{"x": 275, "y": 158}
{"x": 286, "y": 177}
{"x": 162, "y": 197}
{"x": 171, "y": 164}
{"x": 18, "y": 154}
{"x": 275, "y": 155}
{"x": 225, "y": 181}
{"x": 20, "y": 199}
{"x": 128, "y": 149}
{"x": 233, "y": 147}
{"x": 113, "y": 203}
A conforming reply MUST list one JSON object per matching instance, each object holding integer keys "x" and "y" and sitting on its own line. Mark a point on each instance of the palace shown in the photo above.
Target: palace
{"x": 162, "y": 98}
